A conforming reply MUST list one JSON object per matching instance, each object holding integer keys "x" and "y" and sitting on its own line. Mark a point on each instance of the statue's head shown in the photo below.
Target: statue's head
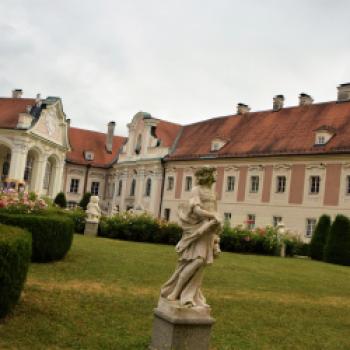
{"x": 94, "y": 199}
{"x": 205, "y": 176}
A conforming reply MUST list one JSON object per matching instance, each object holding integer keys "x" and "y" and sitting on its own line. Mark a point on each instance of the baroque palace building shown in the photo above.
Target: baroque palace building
{"x": 289, "y": 164}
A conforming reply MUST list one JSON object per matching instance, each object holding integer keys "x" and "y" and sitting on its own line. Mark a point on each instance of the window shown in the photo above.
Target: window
{"x": 89, "y": 155}
{"x": 230, "y": 184}
{"x": 28, "y": 169}
{"x": 166, "y": 214}
{"x": 310, "y": 227}
{"x": 314, "y": 184}
{"x": 254, "y": 184}
{"x": 251, "y": 221}
{"x": 188, "y": 183}
{"x": 94, "y": 188}
{"x": 276, "y": 220}
{"x": 148, "y": 187}
{"x": 120, "y": 188}
{"x": 281, "y": 184}
{"x": 74, "y": 186}
{"x": 227, "y": 217}
{"x": 347, "y": 186}
{"x": 321, "y": 140}
{"x": 215, "y": 146}
{"x": 132, "y": 188}
{"x": 170, "y": 185}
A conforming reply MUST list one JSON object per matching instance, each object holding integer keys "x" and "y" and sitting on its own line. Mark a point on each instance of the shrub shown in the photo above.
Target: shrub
{"x": 141, "y": 228}
{"x": 52, "y": 234}
{"x": 15, "y": 253}
{"x": 78, "y": 217}
{"x": 85, "y": 200}
{"x": 319, "y": 237}
{"x": 60, "y": 200}
{"x": 337, "y": 249}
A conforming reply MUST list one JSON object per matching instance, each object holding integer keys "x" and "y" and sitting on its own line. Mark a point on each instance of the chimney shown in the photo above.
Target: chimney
{"x": 344, "y": 92}
{"x": 305, "y": 99}
{"x": 109, "y": 138}
{"x": 242, "y": 108}
{"x": 38, "y": 100}
{"x": 278, "y": 102}
{"x": 17, "y": 93}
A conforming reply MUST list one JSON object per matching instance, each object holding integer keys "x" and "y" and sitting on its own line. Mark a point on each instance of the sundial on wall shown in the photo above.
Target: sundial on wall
{"x": 51, "y": 122}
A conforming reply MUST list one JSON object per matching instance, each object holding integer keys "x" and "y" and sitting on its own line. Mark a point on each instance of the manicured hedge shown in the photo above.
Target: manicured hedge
{"x": 15, "y": 253}
{"x": 320, "y": 237}
{"x": 52, "y": 234}
{"x": 337, "y": 249}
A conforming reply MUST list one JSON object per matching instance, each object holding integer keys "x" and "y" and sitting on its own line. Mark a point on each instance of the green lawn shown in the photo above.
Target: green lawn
{"x": 102, "y": 296}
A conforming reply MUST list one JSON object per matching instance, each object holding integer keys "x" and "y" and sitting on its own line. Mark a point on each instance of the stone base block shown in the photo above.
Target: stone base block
{"x": 180, "y": 328}
{"x": 91, "y": 229}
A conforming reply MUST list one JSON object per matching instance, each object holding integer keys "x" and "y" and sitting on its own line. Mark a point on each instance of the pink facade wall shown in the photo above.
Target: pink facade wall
{"x": 219, "y": 181}
{"x": 178, "y": 187}
{"x": 242, "y": 183}
{"x": 296, "y": 193}
{"x": 332, "y": 186}
{"x": 267, "y": 184}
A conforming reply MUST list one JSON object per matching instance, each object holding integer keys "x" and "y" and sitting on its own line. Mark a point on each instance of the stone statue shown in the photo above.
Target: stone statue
{"x": 93, "y": 212}
{"x": 281, "y": 229}
{"x": 199, "y": 244}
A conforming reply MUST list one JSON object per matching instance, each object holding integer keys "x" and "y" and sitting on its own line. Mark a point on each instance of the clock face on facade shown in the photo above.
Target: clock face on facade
{"x": 51, "y": 122}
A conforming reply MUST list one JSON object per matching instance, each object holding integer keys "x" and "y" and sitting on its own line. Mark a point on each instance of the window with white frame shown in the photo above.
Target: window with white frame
{"x": 281, "y": 184}
{"x": 74, "y": 186}
{"x": 254, "y": 184}
{"x": 310, "y": 227}
{"x": 227, "y": 217}
{"x": 347, "y": 185}
{"x": 170, "y": 183}
{"x": 120, "y": 188}
{"x": 250, "y": 221}
{"x": 230, "y": 184}
{"x": 95, "y": 188}
{"x": 188, "y": 183}
{"x": 166, "y": 214}
{"x": 321, "y": 140}
{"x": 148, "y": 187}
{"x": 315, "y": 184}
{"x": 276, "y": 220}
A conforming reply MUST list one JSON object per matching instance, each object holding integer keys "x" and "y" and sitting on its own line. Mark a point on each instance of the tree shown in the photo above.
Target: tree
{"x": 60, "y": 200}
{"x": 319, "y": 237}
{"x": 337, "y": 249}
{"x": 85, "y": 200}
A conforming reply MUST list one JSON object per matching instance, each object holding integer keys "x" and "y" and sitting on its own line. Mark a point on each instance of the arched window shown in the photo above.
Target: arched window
{"x": 120, "y": 187}
{"x": 138, "y": 144}
{"x": 148, "y": 187}
{"x": 28, "y": 168}
{"x": 132, "y": 188}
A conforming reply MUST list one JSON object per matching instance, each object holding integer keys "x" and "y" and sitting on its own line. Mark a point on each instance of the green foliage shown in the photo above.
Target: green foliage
{"x": 85, "y": 200}
{"x": 140, "y": 228}
{"x": 32, "y": 196}
{"x": 319, "y": 237}
{"x": 337, "y": 249}
{"x": 78, "y": 217}
{"x": 52, "y": 234}
{"x": 61, "y": 200}
{"x": 15, "y": 253}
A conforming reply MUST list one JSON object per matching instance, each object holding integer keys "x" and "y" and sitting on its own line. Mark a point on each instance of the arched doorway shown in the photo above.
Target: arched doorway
{"x": 5, "y": 162}
{"x": 31, "y": 169}
{"x": 50, "y": 176}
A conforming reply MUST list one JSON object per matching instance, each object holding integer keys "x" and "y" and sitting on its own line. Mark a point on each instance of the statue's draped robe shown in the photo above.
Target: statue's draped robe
{"x": 197, "y": 241}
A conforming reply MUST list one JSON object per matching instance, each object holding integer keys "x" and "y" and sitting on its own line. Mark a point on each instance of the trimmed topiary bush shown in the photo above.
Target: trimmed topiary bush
{"x": 15, "y": 253}
{"x": 319, "y": 238}
{"x": 85, "y": 200}
{"x": 61, "y": 200}
{"x": 52, "y": 235}
{"x": 78, "y": 216}
{"x": 337, "y": 248}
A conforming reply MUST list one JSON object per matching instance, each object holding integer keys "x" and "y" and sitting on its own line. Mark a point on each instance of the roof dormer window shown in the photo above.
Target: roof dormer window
{"x": 89, "y": 155}
{"x": 217, "y": 144}
{"x": 323, "y": 134}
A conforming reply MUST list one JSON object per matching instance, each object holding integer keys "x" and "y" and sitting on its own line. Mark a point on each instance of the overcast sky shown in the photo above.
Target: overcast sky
{"x": 180, "y": 60}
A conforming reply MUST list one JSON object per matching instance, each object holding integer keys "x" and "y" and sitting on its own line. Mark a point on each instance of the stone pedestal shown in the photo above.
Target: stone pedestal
{"x": 180, "y": 328}
{"x": 91, "y": 229}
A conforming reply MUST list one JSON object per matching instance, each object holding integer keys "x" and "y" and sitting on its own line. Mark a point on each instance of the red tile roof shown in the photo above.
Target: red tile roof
{"x": 167, "y": 132}
{"x": 287, "y": 131}
{"x": 82, "y": 140}
{"x": 10, "y": 109}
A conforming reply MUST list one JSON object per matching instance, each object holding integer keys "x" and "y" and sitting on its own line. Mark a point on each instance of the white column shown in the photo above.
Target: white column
{"x": 18, "y": 161}
{"x": 124, "y": 179}
{"x": 58, "y": 178}
{"x": 156, "y": 191}
{"x": 40, "y": 173}
{"x": 140, "y": 185}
